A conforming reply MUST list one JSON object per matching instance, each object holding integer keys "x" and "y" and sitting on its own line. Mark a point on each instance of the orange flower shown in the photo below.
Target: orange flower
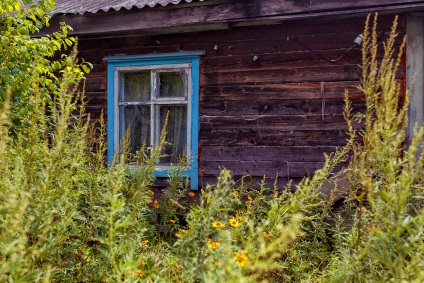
{"x": 156, "y": 203}
{"x": 191, "y": 194}
{"x": 144, "y": 243}
{"x": 172, "y": 221}
{"x": 217, "y": 263}
{"x": 151, "y": 192}
{"x": 249, "y": 198}
{"x": 142, "y": 263}
{"x": 235, "y": 192}
{"x": 140, "y": 273}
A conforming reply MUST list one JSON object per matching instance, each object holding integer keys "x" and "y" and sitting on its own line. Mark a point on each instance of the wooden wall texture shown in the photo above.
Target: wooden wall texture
{"x": 268, "y": 105}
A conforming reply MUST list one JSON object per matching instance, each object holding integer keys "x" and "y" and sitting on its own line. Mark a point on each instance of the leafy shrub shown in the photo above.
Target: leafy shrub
{"x": 65, "y": 216}
{"x": 31, "y": 65}
{"x": 385, "y": 242}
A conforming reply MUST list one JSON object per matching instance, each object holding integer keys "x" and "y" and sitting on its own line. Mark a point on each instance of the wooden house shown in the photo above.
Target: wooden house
{"x": 255, "y": 86}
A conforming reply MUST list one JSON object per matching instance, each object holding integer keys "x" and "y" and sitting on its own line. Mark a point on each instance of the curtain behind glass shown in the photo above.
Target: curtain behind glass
{"x": 171, "y": 84}
{"x": 176, "y": 137}
{"x": 136, "y": 118}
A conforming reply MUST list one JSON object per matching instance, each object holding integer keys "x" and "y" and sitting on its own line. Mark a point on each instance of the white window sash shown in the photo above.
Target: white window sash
{"x": 155, "y": 102}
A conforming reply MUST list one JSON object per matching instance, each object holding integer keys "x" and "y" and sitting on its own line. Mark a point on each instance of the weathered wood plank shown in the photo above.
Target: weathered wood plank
{"x": 283, "y": 75}
{"x": 249, "y": 137}
{"x": 303, "y": 169}
{"x": 260, "y": 61}
{"x": 145, "y": 19}
{"x": 239, "y": 91}
{"x": 251, "y": 167}
{"x": 252, "y": 106}
{"x": 415, "y": 71}
{"x": 274, "y": 122}
{"x": 265, "y": 153}
{"x": 95, "y": 84}
{"x": 186, "y": 19}
{"x": 318, "y": 5}
{"x": 307, "y": 28}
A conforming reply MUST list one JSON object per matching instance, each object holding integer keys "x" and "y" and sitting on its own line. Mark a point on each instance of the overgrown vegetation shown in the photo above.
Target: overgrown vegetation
{"x": 67, "y": 217}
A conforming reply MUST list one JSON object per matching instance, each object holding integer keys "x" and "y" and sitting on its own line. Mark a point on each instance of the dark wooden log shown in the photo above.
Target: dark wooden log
{"x": 278, "y": 91}
{"x": 258, "y": 123}
{"x": 283, "y": 75}
{"x": 303, "y": 169}
{"x": 243, "y": 167}
{"x": 265, "y": 153}
{"x": 259, "y": 106}
{"x": 238, "y": 137}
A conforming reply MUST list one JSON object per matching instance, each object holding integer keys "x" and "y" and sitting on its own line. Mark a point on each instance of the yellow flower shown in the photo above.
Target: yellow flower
{"x": 140, "y": 273}
{"x": 249, "y": 198}
{"x": 235, "y": 192}
{"x": 217, "y": 224}
{"x": 241, "y": 258}
{"x": 144, "y": 243}
{"x": 148, "y": 201}
{"x": 212, "y": 244}
{"x": 233, "y": 222}
{"x": 151, "y": 192}
{"x": 142, "y": 263}
{"x": 191, "y": 194}
{"x": 266, "y": 235}
{"x": 217, "y": 263}
{"x": 172, "y": 221}
{"x": 156, "y": 203}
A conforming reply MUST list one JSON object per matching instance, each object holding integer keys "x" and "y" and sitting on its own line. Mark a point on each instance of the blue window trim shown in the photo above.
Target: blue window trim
{"x": 154, "y": 60}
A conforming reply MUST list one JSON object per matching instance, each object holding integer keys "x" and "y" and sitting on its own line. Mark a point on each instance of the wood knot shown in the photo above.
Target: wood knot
{"x": 264, "y": 108}
{"x": 253, "y": 141}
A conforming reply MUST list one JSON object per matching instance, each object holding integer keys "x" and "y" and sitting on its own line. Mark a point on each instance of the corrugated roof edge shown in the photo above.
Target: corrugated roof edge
{"x": 70, "y": 7}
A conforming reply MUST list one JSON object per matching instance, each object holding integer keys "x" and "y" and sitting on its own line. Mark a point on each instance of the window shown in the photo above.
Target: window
{"x": 142, "y": 92}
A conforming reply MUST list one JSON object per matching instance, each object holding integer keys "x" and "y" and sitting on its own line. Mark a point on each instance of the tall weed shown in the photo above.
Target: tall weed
{"x": 385, "y": 243}
{"x": 67, "y": 216}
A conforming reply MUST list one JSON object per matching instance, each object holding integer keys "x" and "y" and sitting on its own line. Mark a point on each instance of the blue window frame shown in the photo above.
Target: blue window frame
{"x": 142, "y": 92}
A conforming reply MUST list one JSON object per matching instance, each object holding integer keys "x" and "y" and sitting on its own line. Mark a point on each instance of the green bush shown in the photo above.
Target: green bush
{"x": 65, "y": 216}
{"x": 31, "y": 65}
{"x": 385, "y": 242}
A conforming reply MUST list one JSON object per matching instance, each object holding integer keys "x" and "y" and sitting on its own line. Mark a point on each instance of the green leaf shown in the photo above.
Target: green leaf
{"x": 68, "y": 41}
{"x": 85, "y": 69}
{"x": 39, "y": 12}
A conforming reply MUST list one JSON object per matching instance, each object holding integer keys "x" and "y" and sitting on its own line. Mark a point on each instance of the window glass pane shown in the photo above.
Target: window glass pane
{"x": 137, "y": 120}
{"x": 171, "y": 84}
{"x": 136, "y": 86}
{"x": 176, "y": 137}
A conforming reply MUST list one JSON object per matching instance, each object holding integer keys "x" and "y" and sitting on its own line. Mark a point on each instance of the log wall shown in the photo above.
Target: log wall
{"x": 268, "y": 103}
